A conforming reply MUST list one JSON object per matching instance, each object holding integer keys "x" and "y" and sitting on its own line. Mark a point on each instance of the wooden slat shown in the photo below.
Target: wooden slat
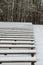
{"x": 16, "y": 39}
{"x": 23, "y": 42}
{"x": 16, "y": 46}
{"x": 2, "y": 34}
{"x": 15, "y": 31}
{"x": 17, "y": 51}
{"x": 15, "y": 23}
{"x": 29, "y": 31}
{"x": 22, "y": 36}
{"x": 17, "y": 36}
{"x": 17, "y": 28}
{"x": 17, "y": 59}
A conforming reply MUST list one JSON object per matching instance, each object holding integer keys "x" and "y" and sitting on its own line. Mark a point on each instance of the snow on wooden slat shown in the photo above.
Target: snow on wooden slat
{"x": 16, "y": 28}
{"x": 17, "y": 59}
{"x": 2, "y": 34}
{"x": 17, "y": 36}
{"x": 5, "y": 41}
{"x": 17, "y": 51}
{"x": 23, "y": 31}
{"x": 16, "y": 32}
{"x": 16, "y": 46}
{"x": 16, "y": 39}
{"x": 6, "y": 36}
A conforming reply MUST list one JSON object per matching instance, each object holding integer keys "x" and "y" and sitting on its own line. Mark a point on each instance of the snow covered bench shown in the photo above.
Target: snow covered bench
{"x": 17, "y": 43}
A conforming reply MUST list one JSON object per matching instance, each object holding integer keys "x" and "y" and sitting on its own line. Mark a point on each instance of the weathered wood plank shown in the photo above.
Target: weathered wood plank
{"x": 23, "y": 42}
{"x": 18, "y": 36}
{"x": 16, "y": 46}
{"x": 17, "y": 59}
{"x": 17, "y": 39}
{"x": 17, "y": 51}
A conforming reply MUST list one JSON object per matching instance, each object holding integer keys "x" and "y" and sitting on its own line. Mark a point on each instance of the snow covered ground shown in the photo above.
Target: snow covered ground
{"x": 38, "y": 34}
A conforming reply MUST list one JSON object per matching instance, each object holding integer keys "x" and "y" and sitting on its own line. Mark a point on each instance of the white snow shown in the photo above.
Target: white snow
{"x": 38, "y": 34}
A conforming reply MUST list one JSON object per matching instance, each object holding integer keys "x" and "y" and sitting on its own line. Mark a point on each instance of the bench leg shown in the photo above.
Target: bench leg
{"x": 0, "y": 62}
{"x": 32, "y": 63}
